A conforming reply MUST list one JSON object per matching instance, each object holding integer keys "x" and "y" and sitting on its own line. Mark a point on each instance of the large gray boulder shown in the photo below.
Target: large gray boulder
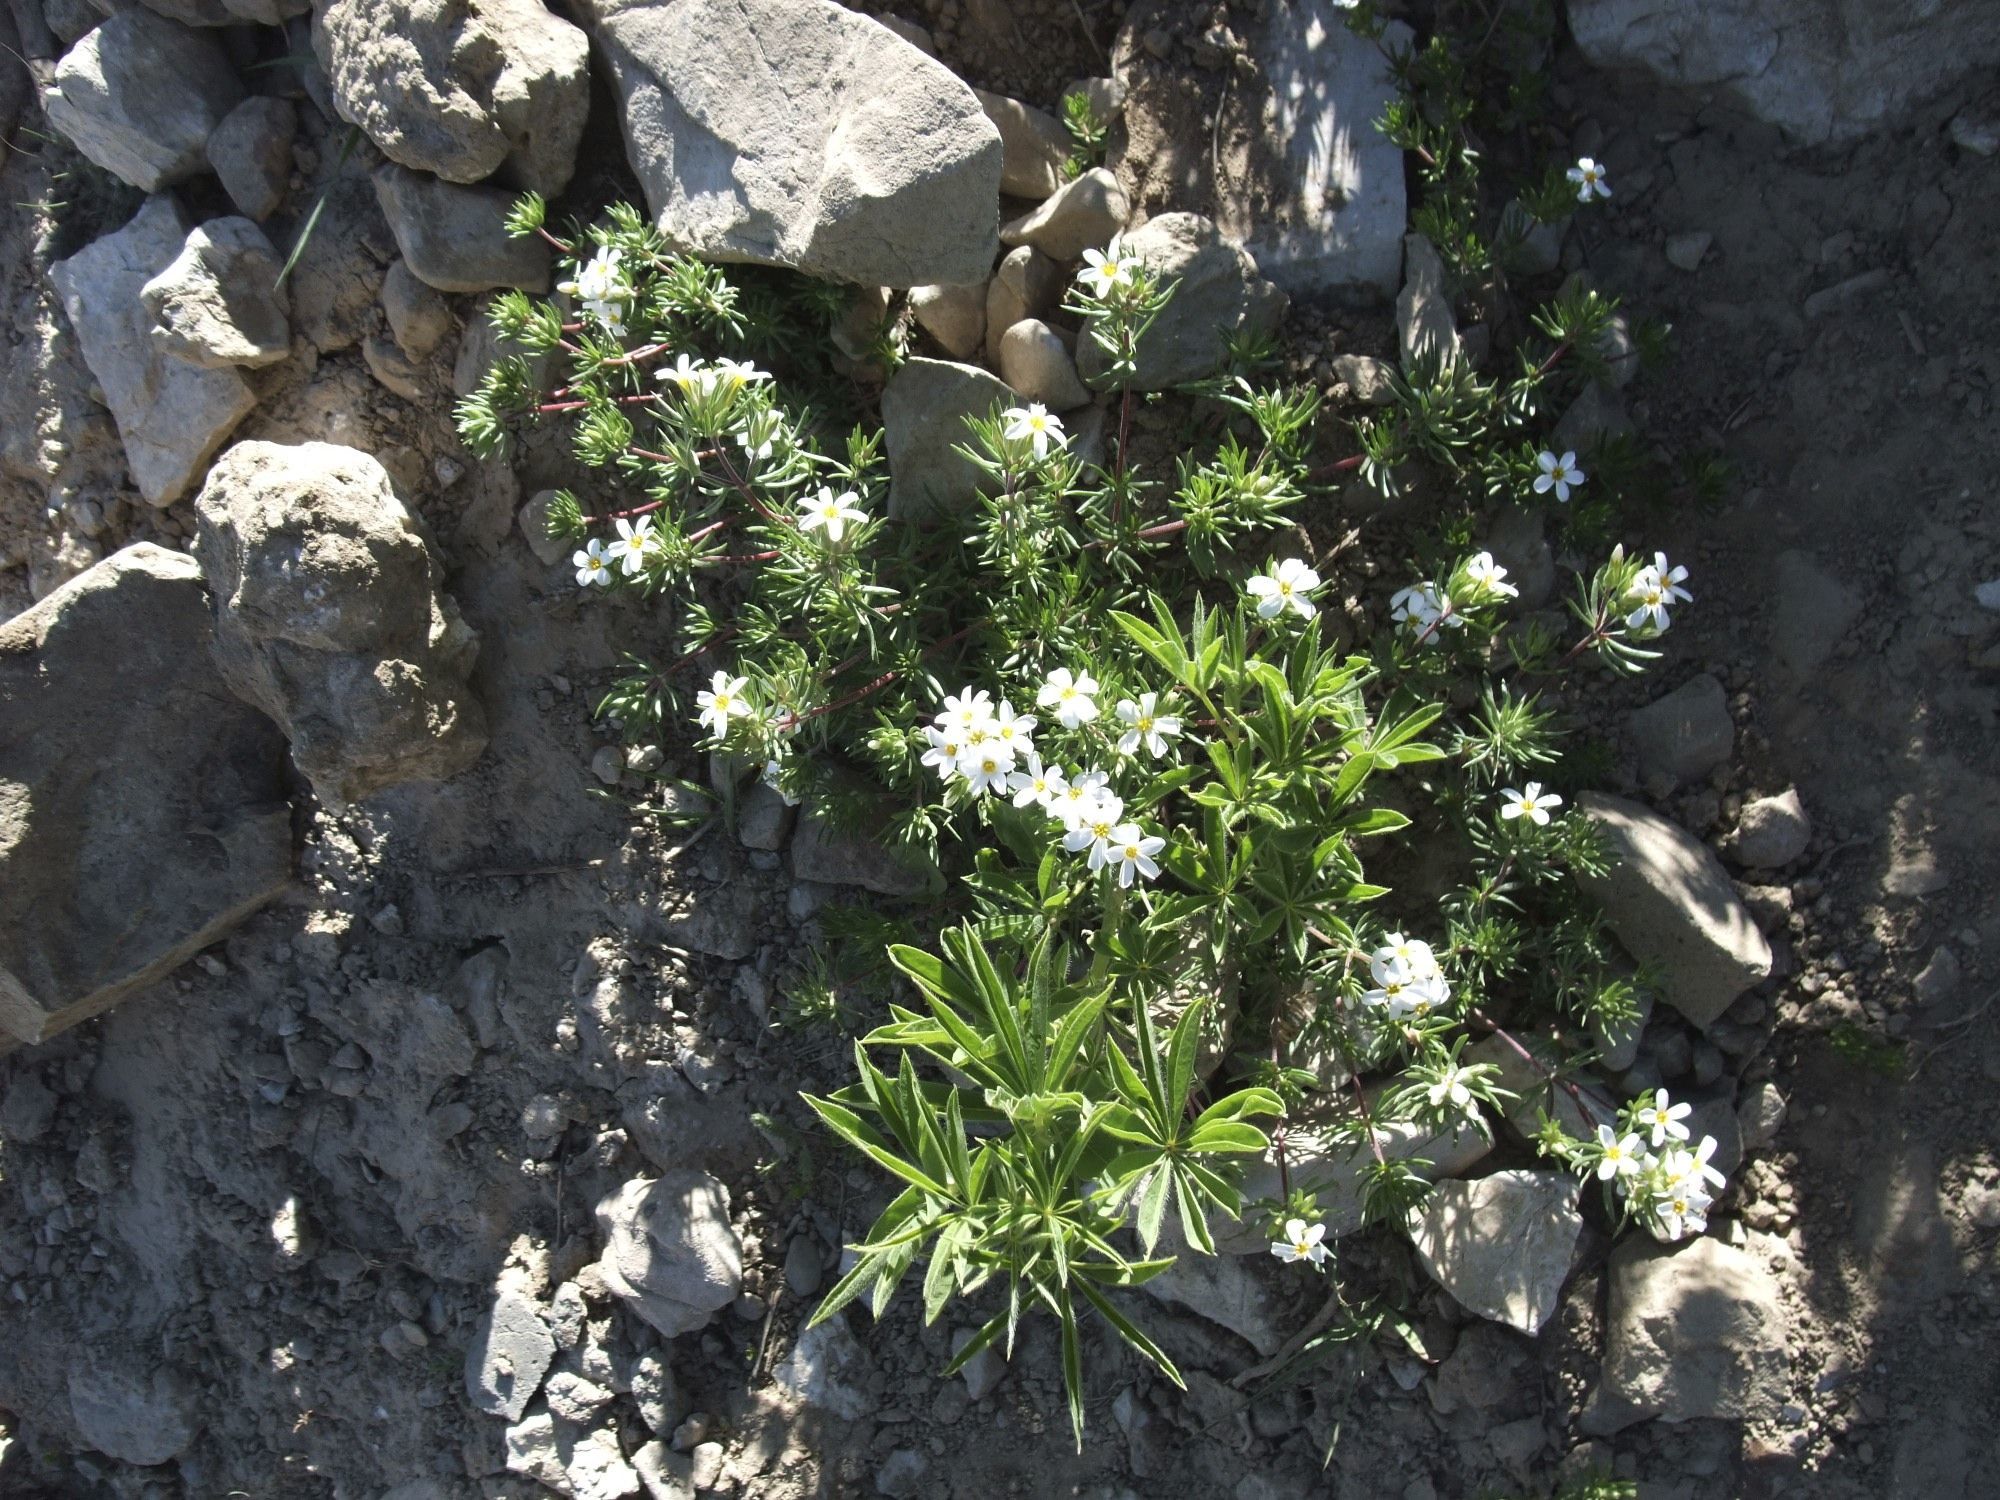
{"x": 1217, "y": 294}
{"x": 1502, "y": 1245}
{"x": 461, "y": 88}
{"x": 1821, "y": 70}
{"x": 1295, "y": 169}
{"x": 140, "y": 96}
{"x": 142, "y": 810}
{"x": 172, "y": 415}
{"x": 924, "y": 409}
{"x": 1670, "y": 902}
{"x": 455, "y": 238}
{"x": 798, "y": 133}
{"x": 669, "y": 1250}
{"x": 329, "y": 617}
{"x": 1694, "y": 1332}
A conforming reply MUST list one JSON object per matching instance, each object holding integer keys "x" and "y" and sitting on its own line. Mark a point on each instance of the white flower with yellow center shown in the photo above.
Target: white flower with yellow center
{"x": 1038, "y": 785}
{"x": 1558, "y": 474}
{"x": 1072, "y": 695}
{"x": 1131, "y": 849}
{"x": 830, "y": 513}
{"x": 1302, "y": 1241}
{"x": 722, "y": 701}
{"x": 1618, "y": 1156}
{"x": 633, "y": 540}
{"x": 1106, "y": 272}
{"x": 1531, "y": 803}
{"x": 1035, "y": 423}
{"x": 593, "y": 565}
{"x": 1288, "y": 585}
{"x": 1587, "y": 176}
{"x": 1146, "y": 726}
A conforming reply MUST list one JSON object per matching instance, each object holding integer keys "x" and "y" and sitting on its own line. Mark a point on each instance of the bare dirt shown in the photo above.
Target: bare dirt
{"x": 294, "y": 1173}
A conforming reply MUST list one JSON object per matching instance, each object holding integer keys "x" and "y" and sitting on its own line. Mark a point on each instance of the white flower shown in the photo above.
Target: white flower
{"x": 759, "y": 438}
{"x": 1682, "y": 1167}
{"x": 1450, "y": 1087}
{"x": 1132, "y": 850}
{"x": 1288, "y": 585}
{"x": 1147, "y": 726}
{"x": 610, "y": 314}
{"x": 1105, "y": 272}
{"x": 1073, "y": 803}
{"x": 772, "y": 770}
{"x": 1302, "y": 1241}
{"x": 1037, "y": 424}
{"x": 964, "y": 710}
{"x": 1414, "y": 998}
{"x": 722, "y": 700}
{"x": 1038, "y": 785}
{"x": 737, "y": 373}
{"x": 1014, "y": 731}
{"x": 1489, "y": 577}
{"x": 986, "y": 768}
{"x": 1620, "y": 1156}
{"x": 942, "y": 756}
{"x": 1413, "y": 955}
{"x": 1073, "y": 695}
{"x": 1663, "y": 1118}
{"x": 1679, "y": 1211}
{"x": 691, "y": 376}
{"x": 1532, "y": 804}
{"x": 1652, "y": 592}
{"x": 598, "y": 279}
{"x": 1094, "y": 824}
{"x": 1415, "y": 609}
{"x": 592, "y": 564}
{"x": 1588, "y": 175}
{"x": 1558, "y": 474}
{"x": 630, "y": 548}
{"x": 831, "y": 513}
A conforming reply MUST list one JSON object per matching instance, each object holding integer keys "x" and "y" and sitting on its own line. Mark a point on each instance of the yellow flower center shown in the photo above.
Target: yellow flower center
{"x": 722, "y": 702}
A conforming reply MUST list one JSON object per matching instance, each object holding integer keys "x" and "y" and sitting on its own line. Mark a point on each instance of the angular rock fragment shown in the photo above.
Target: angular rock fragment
{"x": 141, "y": 95}
{"x": 1502, "y": 1245}
{"x": 924, "y": 409}
{"x": 329, "y": 617}
{"x": 462, "y": 88}
{"x": 798, "y": 133}
{"x": 251, "y": 153}
{"x": 669, "y": 1250}
{"x": 142, "y": 810}
{"x": 510, "y": 1351}
{"x": 1670, "y": 903}
{"x": 219, "y": 302}
{"x": 1428, "y": 337}
{"x": 1684, "y": 735}
{"x": 171, "y": 414}
{"x": 455, "y": 238}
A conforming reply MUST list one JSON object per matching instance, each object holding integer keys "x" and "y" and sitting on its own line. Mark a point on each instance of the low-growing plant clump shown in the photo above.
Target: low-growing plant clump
{"x": 1113, "y": 705}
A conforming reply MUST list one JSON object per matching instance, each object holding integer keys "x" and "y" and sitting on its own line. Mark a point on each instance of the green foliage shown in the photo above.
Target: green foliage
{"x": 1087, "y": 132}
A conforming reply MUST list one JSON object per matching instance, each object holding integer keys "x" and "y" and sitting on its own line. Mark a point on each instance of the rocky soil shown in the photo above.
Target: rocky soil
{"x": 470, "y": 1162}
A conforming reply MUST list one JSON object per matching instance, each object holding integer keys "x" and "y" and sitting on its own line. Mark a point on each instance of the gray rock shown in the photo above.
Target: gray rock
{"x": 1222, "y": 1289}
{"x": 251, "y": 152}
{"x": 1519, "y": 543}
{"x": 1218, "y": 294}
{"x": 828, "y": 855}
{"x": 763, "y": 818}
{"x": 1485, "y": 1372}
{"x": 667, "y": 1475}
{"x": 596, "y": 1469}
{"x": 231, "y": 12}
{"x": 720, "y": 921}
{"x": 1685, "y": 250}
{"x": 1427, "y": 336}
{"x": 924, "y": 410}
{"x": 1335, "y": 1171}
{"x": 1694, "y": 1332}
{"x": 218, "y": 303}
{"x": 1821, "y": 70}
{"x": 1810, "y": 611}
{"x": 1034, "y": 146}
{"x": 419, "y": 317}
{"x": 1714, "y": 1116}
{"x": 1618, "y": 1043}
{"x": 1595, "y": 415}
{"x": 27, "y": 1109}
{"x": 1027, "y": 285}
{"x": 1937, "y": 983}
{"x": 455, "y": 238}
{"x": 329, "y": 617}
{"x": 396, "y": 371}
{"x": 981, "y": 1373}
{"x": 1535, "y": 1094}
{"x": 1772, "y": 832}
{"x": 1533, "y": 246}
{"x": 953, "y": 315}
{"x": 145, "y": 813}
{"x": 510, "y": 1352}
{"x": 901, "y": 1476}
{"x": 826, "y": 1371}
{"x": 1085, "y": 214}
{"x": 1369, "y": 380}
{"x": 669, "y": 1250}
{"x": 1297, "y": 173}
{"x": 533, "y": 519}
{"x": 463, "y": 90}
{"x": 1683, "y": 736}
{"x": 798, "y": 133}
{"x": 1502, "y": 1245}
{"x": 172, "y": 415}
{"x": 574, "y": 1399}
{"x": 1035, "y": 362}
{"x": 131, "y": 1407}
{"x": 533, "y": 1448}
{"x": 1668, "y": 901}
{"x": 656, "y": 1393}
{"x": 141, "y": 95}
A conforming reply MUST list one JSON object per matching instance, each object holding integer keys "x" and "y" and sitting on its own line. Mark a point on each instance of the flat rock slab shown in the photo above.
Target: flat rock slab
{"x": 924, "y": 410}
{"x": 140, "y": 96}
{"x": 1502, "y": 1245}
{"x": 1669, "y": 901}
{"x": 142, "y": 810}
{"x": 172, "y": 415}
{"x": 1296, "y": 170}
{"x": 1684, "y": 735}
{"x": 510, "y": 1351}
{"x": 669, "y": 1250}
{"x": 798, "y": 133}
{"x": 1694, "y": 1332}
